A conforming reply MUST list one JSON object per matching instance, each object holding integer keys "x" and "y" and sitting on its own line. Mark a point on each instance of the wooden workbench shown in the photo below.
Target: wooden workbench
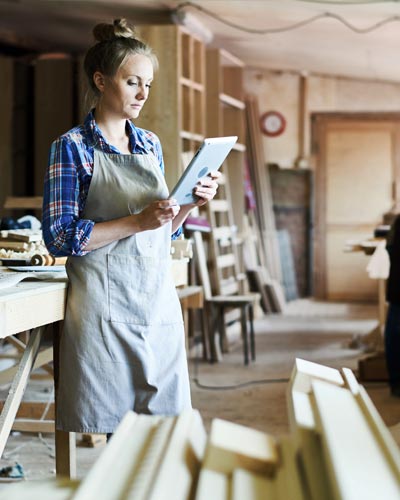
{"x": 30, "y": 306}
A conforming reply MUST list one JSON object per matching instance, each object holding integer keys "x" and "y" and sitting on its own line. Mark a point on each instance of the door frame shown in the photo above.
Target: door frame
{"x": 319, "y": 126}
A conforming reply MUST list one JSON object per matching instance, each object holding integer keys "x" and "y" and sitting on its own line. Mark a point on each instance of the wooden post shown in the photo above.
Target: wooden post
{"x": 18, "y": 386}
{"x": 65, "y": 441}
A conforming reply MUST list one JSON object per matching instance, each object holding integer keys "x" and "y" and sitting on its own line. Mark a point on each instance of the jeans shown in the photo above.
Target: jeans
{"x": 392, "y": 345}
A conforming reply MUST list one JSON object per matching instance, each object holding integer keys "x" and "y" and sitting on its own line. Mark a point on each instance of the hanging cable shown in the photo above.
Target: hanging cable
{"x": 349, "y": 2}
{"x": 294, "y": 26}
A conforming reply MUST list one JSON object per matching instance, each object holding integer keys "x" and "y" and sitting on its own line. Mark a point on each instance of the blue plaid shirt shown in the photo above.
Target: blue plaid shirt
{"x": 67, "y": 182}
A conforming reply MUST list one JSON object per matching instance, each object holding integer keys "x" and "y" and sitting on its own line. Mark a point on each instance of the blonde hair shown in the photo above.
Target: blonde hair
{"x": 115, "y": 43}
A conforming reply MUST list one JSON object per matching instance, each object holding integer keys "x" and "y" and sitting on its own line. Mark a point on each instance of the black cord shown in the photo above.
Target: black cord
{"x": 233, "y": 387}
{"x": 239, "y": 386}
{"x": 268, "y": 31}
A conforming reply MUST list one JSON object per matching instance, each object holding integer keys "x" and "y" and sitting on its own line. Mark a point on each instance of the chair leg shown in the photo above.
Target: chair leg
{"x": 211, "y": 332}
{"x": 252, "y": 336}
{"x": 213, "y": 314}
{"x": 205, "y": 333}
{"x": 221, "y": 329}
{"x": 244, "y": 334}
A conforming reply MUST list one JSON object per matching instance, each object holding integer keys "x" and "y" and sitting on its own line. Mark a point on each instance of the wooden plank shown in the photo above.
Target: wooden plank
{"x": 308, "y": 444}
{"x": 182, "y": 459}
{"x": 262, "y": 190}
{"x": 229, "y": 288}
{"x": 382, "y": 433}
{"x": 226, "y": 260}
{"x": 304, "y": 372}
{"x": 33, "y": 410}
{"x": 18, "y": 386}
{"x": 219, "y": 205}
{"x": 190, "y": 83}
{"x": 65, "y": 443}
{"x": 232, "y": 445}
{"x": 32, "y": 425}
{"x": 215, "y": 483}
{"x": 49, "y": 489}
{"x": 131, "y": 467}
{"x": 289, "y": 481}
{"x": 93, "y": 440}
{"x": 40, "y": 307}
{"x": 250, "y": 486}
{"x": 24, "y": 202}
{"x": 357, "y": 466}
{"x": 191, "y": 297}
{"x": 222, "y": 232}
{"x": 18, "y": 246}
{"x": 231, "y": 101}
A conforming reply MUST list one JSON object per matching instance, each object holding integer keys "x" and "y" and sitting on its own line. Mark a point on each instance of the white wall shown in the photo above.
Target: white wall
{"x": 280, "y": 91}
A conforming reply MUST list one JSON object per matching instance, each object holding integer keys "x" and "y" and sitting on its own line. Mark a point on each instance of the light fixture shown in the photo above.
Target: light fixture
{"x": 193, "y": 25}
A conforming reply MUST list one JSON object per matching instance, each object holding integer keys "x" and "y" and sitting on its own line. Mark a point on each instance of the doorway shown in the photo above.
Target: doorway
{"x": 357, "y": 167}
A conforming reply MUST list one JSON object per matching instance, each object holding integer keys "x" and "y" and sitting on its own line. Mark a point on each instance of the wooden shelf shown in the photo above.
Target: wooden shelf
{"x": 189, "y": 83}
{"x": 175, "y": 110}
{"x": 239, "y": 147}
{"x": 231, "y": 101}
{"x": 226, "y": 117}
{"x": 184, "y": 134}
{"x": 228, "y": 59}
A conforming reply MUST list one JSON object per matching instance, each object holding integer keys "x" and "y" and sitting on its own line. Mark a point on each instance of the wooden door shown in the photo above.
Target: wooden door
{"x": 357, "y": 165}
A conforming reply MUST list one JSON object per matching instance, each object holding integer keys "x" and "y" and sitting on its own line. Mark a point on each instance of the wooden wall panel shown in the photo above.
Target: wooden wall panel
{"x": 162, "y": 112}
{"x": 6, "y": 120}
{"x": 54, "y": 109}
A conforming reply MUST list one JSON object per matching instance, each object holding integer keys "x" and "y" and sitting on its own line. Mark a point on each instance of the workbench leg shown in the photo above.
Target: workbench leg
{"x": 382, "y": 309}
{"x": 18, "y": 386}
{"x": 65, "y": 442}
{"x": 65, "y": 454}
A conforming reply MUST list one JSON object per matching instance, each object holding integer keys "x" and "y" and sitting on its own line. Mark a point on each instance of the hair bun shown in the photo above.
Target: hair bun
{"x": 118, "y": 29}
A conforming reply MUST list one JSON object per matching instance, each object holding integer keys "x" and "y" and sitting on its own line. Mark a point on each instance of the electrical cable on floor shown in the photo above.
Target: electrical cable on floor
{"x": 232, "y": 387}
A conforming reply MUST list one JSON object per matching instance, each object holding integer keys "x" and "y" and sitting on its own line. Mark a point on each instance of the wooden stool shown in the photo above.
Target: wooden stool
{"x": 245, "y": 304}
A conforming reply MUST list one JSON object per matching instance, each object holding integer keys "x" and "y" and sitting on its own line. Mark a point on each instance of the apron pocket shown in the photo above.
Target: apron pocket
{"x": 141, "y": 291}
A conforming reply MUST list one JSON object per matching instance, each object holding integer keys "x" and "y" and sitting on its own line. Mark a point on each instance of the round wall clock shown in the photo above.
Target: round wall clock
{"x": 272, "y": 123}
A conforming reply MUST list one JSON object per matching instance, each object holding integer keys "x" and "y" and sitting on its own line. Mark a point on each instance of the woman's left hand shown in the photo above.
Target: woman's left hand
{"x": 206, "y": 188}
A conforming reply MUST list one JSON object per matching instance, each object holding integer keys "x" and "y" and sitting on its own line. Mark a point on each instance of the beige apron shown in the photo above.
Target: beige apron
{"x": 123, "y": 344}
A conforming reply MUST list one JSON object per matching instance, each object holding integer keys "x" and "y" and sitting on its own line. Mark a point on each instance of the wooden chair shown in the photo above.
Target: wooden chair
{"x": 216, "y": 305}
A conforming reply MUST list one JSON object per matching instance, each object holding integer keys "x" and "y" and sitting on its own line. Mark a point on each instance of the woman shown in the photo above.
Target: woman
{"x": 106, "y": 207}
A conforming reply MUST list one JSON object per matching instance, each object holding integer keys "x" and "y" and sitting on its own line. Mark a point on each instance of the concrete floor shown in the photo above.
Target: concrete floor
{"x": 314, "y": 331}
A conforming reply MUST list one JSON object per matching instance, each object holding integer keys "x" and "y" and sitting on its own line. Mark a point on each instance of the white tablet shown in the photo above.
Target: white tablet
{"x": 209, "y": 157}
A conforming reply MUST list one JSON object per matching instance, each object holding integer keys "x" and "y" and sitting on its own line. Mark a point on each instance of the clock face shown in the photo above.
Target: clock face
{"x": 272, "y": 123}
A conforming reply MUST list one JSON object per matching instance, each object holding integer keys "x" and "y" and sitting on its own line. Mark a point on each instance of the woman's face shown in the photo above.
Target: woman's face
{"x": 124, "y": 94}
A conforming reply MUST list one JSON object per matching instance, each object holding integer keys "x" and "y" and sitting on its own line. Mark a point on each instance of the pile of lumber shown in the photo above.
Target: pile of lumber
{"x": 25, "y": 247}
{"x": 338, "y": 448}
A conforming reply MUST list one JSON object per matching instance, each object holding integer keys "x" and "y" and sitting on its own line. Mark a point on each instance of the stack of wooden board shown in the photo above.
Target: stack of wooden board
{"x": 24, "y": 245}
{"x": 268, "y": 273}
{"x": 338, "y": 449}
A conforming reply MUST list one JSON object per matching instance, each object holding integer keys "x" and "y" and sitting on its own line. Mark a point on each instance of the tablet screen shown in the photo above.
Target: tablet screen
{"x": 209, "y": 157}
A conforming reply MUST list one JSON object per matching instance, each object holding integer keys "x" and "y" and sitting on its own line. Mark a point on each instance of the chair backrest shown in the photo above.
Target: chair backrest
{"x": 201, "y": 263}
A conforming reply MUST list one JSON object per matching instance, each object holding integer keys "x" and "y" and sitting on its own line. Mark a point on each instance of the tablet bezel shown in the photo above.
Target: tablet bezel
{"x": 214, "y": 151}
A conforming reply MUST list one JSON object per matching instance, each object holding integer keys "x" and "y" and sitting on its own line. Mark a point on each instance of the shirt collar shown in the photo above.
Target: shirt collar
{"x": 138, "y": 141}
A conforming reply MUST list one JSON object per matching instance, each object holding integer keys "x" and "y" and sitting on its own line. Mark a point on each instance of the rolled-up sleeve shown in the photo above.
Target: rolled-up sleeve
{"x": 64, "y": 232}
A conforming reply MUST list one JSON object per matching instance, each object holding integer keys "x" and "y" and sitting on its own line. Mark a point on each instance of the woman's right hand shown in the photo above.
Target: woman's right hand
{"x": 156, "y": 214}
